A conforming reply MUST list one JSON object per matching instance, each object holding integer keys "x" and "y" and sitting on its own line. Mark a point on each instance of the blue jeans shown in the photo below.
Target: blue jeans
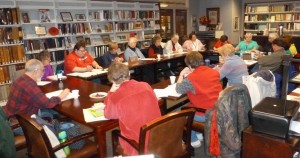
{"x": 194, "y": 133}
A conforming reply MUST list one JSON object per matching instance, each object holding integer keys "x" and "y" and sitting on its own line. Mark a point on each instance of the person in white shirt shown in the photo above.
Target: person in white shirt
{"x": 193, "y": 44}
{"x": 172, "y": 46}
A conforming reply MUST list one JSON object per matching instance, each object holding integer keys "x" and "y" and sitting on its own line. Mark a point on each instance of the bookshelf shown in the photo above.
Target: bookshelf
{"x": 259, "y": 17}
{"x": 56, "y": 25}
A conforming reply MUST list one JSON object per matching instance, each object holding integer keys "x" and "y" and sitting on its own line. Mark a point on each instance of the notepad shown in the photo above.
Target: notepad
{"x": 57, "y": 93}
{"x": 95, "y": 113}
{"x": 168, "y": 91}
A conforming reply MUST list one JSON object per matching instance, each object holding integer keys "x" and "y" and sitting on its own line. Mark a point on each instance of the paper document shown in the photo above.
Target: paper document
{"x": 168, "y": 91}
{"x": 147, "y": 59}
{"x": 296, "y": 78}
{"x": 295, "y": 126}
{"x": 42, "y": 83}
{"x": 94, "y": 72}
{"x": 95, "y": 113}
{"x": 250, "y": 62}
{"x": 297, "y": 90}
{"x": 56, "y": 93}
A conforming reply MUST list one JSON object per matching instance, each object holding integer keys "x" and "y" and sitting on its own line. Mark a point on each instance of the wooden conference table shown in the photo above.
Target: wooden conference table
{"x": 72, "y": 108}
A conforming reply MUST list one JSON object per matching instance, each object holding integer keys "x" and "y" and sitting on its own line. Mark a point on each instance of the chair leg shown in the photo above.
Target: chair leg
{"x": 115, "y": 141}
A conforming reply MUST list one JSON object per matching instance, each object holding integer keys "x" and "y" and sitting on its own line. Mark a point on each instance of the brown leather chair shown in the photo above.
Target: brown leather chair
{"x": 38, "y": 143}
{"x": 165, "y": 136}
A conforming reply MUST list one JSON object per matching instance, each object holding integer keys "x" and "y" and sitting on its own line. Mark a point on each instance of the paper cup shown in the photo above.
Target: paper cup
{"x": 172, "y": 79}
{"x": 75, "y": 93}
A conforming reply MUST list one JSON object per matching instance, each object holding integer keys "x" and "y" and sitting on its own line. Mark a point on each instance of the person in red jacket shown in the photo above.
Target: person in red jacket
{"x": 133, "y": 103}
{"x": 156, "y": 47}
{"x": 202, "y": 86}
{"x": 222, "y": 41}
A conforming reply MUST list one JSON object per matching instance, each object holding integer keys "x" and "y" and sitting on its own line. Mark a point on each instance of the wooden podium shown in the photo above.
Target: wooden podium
{"x": 256, "y": 144}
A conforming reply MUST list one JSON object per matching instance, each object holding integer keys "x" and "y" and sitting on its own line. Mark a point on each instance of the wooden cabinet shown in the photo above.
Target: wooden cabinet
{"x": 180, "y": 23}
{"x": 270, "y": 16}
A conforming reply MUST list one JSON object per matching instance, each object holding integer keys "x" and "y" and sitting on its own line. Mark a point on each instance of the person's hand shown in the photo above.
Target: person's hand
{"x": 118, "y": 59}
{"x": 98, "y": 67}
{"x": 185, "y": 72}
{"x": 89, "y": 68}
{"x": 64, "y": 93}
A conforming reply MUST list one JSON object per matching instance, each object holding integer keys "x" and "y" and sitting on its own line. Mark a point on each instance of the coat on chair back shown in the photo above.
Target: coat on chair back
{"x": 226, "y": 121}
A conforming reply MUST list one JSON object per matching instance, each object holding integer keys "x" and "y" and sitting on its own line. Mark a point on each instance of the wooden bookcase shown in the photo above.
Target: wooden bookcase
{"x": 261, "y": 16}
{"x": 56, "y": 25}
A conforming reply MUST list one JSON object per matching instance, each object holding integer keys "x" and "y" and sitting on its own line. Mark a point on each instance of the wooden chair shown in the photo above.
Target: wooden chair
{"x": 165, "y": 136}
{"x": 20, "y": 140}
{"x": 38, "y": 143}
{"x": 197, "y": 126}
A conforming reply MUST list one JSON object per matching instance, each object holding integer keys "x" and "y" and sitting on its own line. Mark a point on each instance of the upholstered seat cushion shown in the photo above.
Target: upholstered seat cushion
{"x": 88, "y": 150}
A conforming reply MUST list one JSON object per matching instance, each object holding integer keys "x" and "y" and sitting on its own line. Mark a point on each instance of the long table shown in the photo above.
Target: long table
{"x": 73, "y": 108}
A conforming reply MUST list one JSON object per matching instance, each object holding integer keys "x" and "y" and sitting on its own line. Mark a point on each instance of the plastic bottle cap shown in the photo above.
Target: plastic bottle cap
{"x": 62, "y": 135}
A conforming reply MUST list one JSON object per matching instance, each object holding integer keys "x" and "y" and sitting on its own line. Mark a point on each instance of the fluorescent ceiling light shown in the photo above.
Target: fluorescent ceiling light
{"x": 163, "y": 5}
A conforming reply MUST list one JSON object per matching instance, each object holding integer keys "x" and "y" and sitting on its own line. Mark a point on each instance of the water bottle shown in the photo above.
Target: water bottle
{"x": 207, "y": 62}
{"x": 63, "y": 137}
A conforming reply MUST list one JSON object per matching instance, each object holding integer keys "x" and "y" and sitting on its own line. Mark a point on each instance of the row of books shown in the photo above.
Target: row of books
{"x": 4, "y": 89}
{"x": 55, "y": 56}
{"x": 12, "y": 54}
{"x": 100, "y": 50}
{"x": 72, "y": 28}
{"x": 274, "y": 27}
{"x": 10, "y": 35}
{"x": 133, "y": 15}
{"x": 265, "y": 9}
{"x": 273, "y": 18}
{"x": 10, "y": 72}
{"x": 48, "y": 43}
{"x": 9, "y": 16}
{"x": 100, "y": 15}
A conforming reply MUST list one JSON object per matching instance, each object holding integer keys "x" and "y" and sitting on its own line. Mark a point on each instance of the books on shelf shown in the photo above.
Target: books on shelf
{"x": 4, "y": 89}
{"x": 12, "y": 54}
{"x": 10, "y": 72}
{"x": 9, "y": 16}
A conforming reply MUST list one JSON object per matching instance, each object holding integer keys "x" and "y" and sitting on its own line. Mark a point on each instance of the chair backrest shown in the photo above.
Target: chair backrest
{"x": 163, "y": 136}
{"x": 38, "y": 144}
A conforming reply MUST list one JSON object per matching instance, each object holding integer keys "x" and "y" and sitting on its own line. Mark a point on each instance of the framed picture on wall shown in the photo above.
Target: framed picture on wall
{"x": 66, "y": 16}
{"x": 213, "y": 15}
{"x": 236, "y": 23}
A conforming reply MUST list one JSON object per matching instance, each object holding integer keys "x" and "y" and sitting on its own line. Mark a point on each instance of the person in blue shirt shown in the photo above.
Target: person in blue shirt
{"x": 111, "y": 55}
{"x": 248, "y": 44}
{"x": 132, "y": 50}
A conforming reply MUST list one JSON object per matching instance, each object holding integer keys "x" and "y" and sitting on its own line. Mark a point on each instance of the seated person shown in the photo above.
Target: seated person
{"x": 290, "y": 47}
{"x": 222, "y": 41}
{"x": 79, "y": 60}
{"x": 172, "y": 46}
{"x": 25, "y": 95}
{"x": 132, "y": 50}
{"x": 202, "y": 86}
{"x": 111, "y": 55}
{"x": 44, "y": 57}
{"x": 156, "y": 47}
{"x": 248, "y": 44}
{"x": 193, "y": 44}
{"x": 233, "y": 68}
{"x": 273, "y": 62}
{"x": 268, "y": 46}
{"x": 133, "y": 103}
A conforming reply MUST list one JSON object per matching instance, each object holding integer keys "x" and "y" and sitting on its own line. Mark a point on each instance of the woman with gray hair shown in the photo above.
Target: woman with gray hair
{"x": 268, "y": 46}
{"x": 133, "y": 103}
{"x": 172, "y": 46}
{"x": 248, "y": 44}
{"x": 132, "y": 50}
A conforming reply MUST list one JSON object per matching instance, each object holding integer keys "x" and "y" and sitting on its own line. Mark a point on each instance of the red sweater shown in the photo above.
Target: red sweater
{"x": 206, "y": 82}
{"x": 134, "y": 104}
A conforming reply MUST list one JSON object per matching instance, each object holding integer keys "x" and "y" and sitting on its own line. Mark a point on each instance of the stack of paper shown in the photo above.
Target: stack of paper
{"x": 94, "y": 72}
{"x": 95, "y": 113}
{"x": 56, "y": 93}
{"x": 169, "y": 91}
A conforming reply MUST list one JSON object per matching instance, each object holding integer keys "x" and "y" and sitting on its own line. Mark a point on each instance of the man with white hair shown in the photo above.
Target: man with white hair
{"x": 132, "y": 50}
{"x": 172, "y": 46}
{"x": 26, "y": 97}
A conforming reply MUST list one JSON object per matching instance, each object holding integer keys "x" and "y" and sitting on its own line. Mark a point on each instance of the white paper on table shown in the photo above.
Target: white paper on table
{"x": 168, "y": 91}
{"x": 250, "y": 62}
{"x": 88, "y": 74}
{"x": 126, "y": 63}
{"x": 42, "y": 83}
{"x": 147, "y": 59}
{"x": 297, "y": 90}
{"x": 89, "y": 117}
{"x": 56, "y": 93}
{"x": 295, "y": 126}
